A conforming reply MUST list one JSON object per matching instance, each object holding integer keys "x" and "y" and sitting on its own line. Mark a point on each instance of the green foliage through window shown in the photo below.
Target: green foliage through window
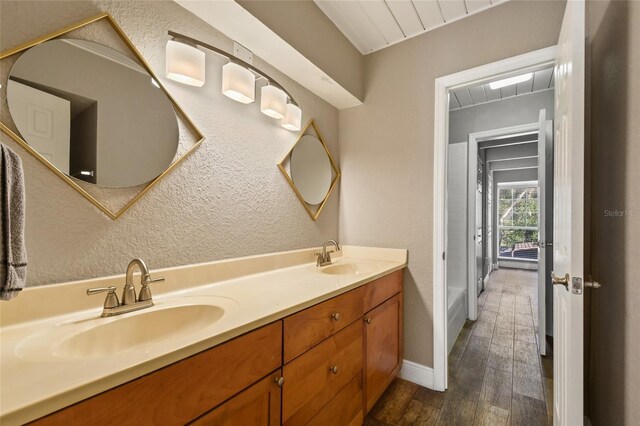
{"x": 518, "y": 221}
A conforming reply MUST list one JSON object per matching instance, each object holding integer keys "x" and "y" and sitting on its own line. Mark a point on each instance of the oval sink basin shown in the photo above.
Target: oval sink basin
{"x": 349, "y": 269}
{"x": 130, "y": 332}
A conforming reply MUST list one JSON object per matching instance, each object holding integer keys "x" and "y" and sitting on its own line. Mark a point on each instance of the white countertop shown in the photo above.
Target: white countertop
{"x": 253, "y": 291}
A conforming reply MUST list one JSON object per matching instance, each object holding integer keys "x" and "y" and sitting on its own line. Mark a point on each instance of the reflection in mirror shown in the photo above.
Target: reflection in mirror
{"x": 92, "y": 112}
{"x": 311, "y": 169}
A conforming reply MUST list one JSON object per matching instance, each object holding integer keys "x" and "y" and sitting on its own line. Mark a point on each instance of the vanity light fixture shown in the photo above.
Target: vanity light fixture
{"x": 273, "y": 102}
{"x": 238, "y": 83}
{"x": 238, "y": 79}
{"x": 510, "y": 81}
{"x": 185, "y": 63}
{"x": 292, "y": 118}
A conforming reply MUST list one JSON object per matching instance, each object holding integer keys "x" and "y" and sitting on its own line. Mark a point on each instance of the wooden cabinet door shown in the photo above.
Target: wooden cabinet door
{"x": 257, "y": 406}
{"x": 317, "y": 376}
{"x": 383, "y": 347}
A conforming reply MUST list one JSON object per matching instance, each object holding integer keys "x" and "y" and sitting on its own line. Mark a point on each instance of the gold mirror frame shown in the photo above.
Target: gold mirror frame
{"x": 16, "y": 137}
{"x": 336, "y": 172}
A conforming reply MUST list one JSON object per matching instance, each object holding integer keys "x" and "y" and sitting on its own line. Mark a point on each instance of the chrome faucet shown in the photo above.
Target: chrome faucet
{"x": 130, "y": 302}
{"x": 324, "y": 258}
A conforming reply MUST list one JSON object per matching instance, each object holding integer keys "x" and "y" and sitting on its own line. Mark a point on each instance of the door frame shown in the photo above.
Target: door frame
{"x": 513, "y": 65}
{"x": 472, "y": 151}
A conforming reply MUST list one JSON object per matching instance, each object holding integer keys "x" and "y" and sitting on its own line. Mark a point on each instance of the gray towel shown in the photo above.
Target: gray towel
{"x": 13, "y": 255}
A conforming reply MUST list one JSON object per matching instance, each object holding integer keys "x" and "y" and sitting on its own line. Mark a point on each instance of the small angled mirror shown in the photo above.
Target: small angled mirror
{"x": 310, "y": 170}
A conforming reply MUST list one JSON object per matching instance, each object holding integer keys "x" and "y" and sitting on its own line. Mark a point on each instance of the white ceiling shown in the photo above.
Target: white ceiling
{"x": 482, "y": 93}
{"x": 371, "y": 25}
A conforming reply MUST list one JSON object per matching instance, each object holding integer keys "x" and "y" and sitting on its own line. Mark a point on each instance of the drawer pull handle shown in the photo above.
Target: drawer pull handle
{"x": 334, "y": 369}
{"x": 367, "y": 320}
{"x": 335, "y": 316}
{"x": 279, "y": 381}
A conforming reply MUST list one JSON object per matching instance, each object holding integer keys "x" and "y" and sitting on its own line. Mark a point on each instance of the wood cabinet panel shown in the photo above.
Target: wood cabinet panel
{"x": 307, "y": 328}
{"x": 382, "y": 289}
{"x": 180, "y": 392}
{"x": 257, "y": 406}
{"x": 344, "y": 409}
{"x": 309, "y": 382}
{"x": 383, "y": 347}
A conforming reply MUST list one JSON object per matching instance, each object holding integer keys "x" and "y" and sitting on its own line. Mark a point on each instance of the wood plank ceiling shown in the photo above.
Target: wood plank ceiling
{"x": 482, "y": 93}
{"x": 372, "y": 25}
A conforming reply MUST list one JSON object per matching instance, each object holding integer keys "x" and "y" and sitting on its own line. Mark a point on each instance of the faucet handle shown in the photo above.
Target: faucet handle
{"x": 145, "y": 292}
{"x": 149, "y": 280}
{"x": 111, "y": 301}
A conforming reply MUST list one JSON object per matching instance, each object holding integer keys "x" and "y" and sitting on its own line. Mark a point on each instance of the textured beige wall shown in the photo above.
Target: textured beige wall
{"x": 614, "y": 47}
{"x": 386, "y": 145}
{"x": 228, "y": 199}
{"x": 308, "y": 30}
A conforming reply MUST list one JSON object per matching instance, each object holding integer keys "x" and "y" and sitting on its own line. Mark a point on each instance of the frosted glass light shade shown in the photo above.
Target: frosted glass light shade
{"x": 238, "y": 83}
{"x": 292, "y": 118}
{"x": 273, "y": 102}
{"x": 185, "y": 64}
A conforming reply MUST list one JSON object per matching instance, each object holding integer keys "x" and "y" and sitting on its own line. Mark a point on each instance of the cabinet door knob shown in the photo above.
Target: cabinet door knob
{"x": 334, "y": 369}
{"x": 335, "y": 316}
{"x": 367, "y": 320}
{"x": 279, "y": 381}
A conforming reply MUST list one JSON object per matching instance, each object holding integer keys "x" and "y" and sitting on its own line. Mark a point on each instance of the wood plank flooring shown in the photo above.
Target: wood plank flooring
{"x": 496, "y": 376}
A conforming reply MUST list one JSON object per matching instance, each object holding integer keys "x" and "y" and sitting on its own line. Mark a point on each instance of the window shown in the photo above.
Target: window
{"x": 518, "y": 221}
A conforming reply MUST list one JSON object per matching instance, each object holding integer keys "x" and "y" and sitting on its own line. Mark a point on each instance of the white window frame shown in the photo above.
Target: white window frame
{"x": 523, "y": 184}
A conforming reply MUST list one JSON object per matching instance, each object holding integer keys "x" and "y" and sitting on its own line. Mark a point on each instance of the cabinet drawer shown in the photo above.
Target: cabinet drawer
{"x": 345, "y": 407}
{"x": 382, "y": 289}
{"x": 309, "y": 382}
{"x": 257, "y": 406}
{"x": 180, "y": 392}
{"x": 304, "y": 330}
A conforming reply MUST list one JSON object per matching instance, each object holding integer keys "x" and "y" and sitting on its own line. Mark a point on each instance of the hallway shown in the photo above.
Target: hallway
{"x": 496, "y": 376}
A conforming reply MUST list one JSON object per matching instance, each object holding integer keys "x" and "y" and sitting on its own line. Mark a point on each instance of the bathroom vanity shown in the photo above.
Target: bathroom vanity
{"x": 294, "y": 344}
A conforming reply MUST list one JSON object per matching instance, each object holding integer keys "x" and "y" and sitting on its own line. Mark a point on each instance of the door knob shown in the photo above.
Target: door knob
{"x": 279, "y": 381}
{"x": 560, "y": 280}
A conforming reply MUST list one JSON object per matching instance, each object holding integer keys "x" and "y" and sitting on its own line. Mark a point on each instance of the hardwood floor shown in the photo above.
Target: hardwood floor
{"x": 496, "y": 376}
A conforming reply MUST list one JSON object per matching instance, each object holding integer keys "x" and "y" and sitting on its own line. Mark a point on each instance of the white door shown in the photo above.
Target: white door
{"x": 489, "y": 210}
{"x": 568, "y": 199}
{"x": 479, "y": 259}
{"x": 542, "y": 231}
{"x": 44, "y": 121}
{"x": 545, "y": 227}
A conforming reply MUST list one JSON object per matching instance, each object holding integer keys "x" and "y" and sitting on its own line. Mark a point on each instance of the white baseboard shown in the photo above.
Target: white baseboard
{"x": 518, "y": 264}
{"x": 417, "y": 373}
{"x": 486, "y": 279}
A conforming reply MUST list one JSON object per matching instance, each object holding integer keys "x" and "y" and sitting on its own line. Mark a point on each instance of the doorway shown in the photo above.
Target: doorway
{"x": 483, "y": 252}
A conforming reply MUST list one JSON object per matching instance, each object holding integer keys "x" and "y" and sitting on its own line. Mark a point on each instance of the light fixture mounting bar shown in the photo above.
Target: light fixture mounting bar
{"x": 192, "y": 41}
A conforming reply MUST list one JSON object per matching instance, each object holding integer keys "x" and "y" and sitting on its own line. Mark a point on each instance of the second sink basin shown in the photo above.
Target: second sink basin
{"x": 130, "y": 332}
{"x": 350, "y": 268}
